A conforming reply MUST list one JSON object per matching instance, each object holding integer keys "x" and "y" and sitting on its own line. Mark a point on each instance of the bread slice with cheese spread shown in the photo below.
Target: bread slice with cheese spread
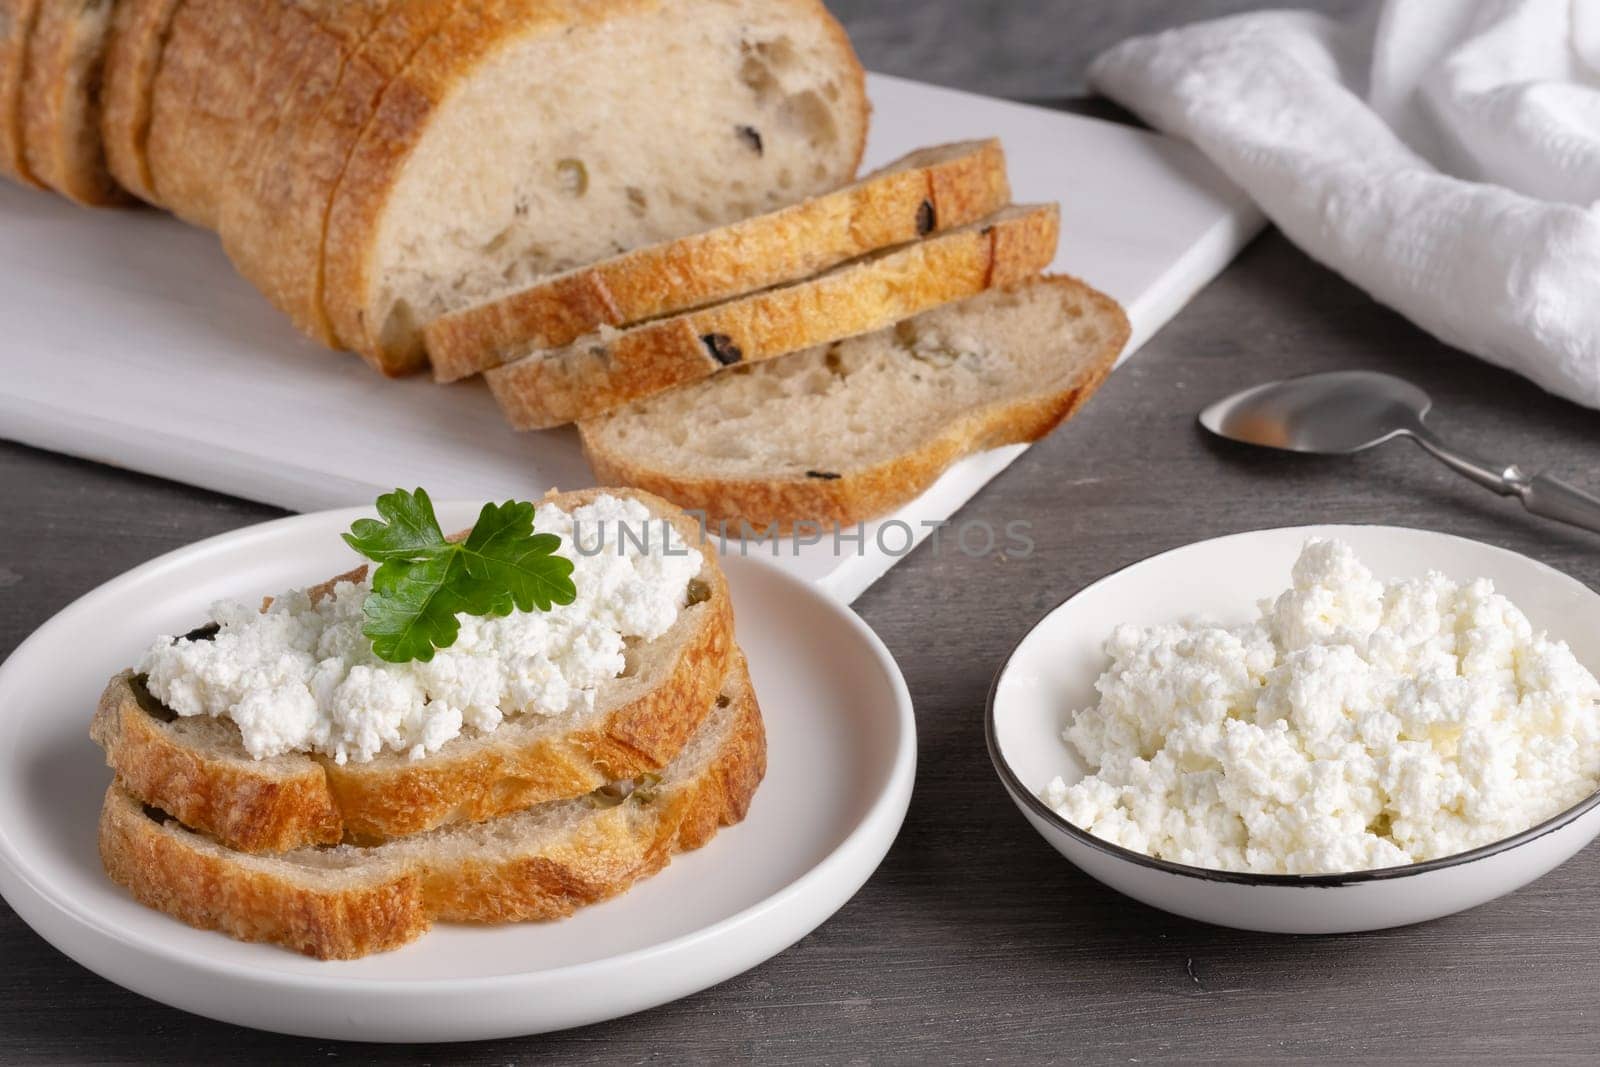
{"x": 196, "y": 768}
{"x": 61, "y": 101}
{"x": 927, "y": 191}
{"x": 604, "y": 371}
{"x": 538, "y": 864}
{"x": 850, "y": 431}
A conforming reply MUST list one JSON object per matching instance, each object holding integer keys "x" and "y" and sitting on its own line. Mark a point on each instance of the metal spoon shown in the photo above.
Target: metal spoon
{"x": 1347, "y": 411}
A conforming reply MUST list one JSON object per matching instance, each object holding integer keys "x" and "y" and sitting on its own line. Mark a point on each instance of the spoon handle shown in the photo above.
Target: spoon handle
{"x": 1555, "y": 499}
{"x": 1542, "y": 494}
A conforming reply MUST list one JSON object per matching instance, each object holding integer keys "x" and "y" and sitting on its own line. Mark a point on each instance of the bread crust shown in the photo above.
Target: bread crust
{"x": 868, "y": 492}
{"x": 274, "y": 805}
{"x": 205, "y": 99}
{"x": 139, "y": 30}
{"x": 273, "y": 228}
{"x": 17, "y": 21}
{"x": 376, "y": 903}
{"x": 899, "y": 204}
{"x": 279, "y": 184}
{"x": 253, "y": 808}
{"x": 401, "y": 122}
{"x": 600, "y": 373}
{"x": 61, "y": 102}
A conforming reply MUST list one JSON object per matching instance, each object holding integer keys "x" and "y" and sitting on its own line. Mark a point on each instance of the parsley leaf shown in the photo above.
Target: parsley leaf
{"x": 425, "y": 580}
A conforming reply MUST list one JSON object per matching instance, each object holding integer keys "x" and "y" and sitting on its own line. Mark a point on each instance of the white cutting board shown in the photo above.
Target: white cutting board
{"x": 125, "y": 337}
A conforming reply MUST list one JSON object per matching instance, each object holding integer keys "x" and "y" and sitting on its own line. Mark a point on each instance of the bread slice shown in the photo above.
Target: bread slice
{"x": 196, "y": 768}
{"x": 850, "y": 431}
{"x": 607, "y": 370}
{"x": 929, "y": 190}
{"x": 61, "y": 101}
{"x": 139, "y": 32}
{"x": 273, "y": 220}
{"x": 543, "y": 863}
{"x": 531, "y": 136}
{"x": 17, "y": 20}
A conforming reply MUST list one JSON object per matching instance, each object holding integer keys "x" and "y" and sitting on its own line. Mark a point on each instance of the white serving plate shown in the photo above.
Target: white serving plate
{"x": 1052, "y": 672}
{"x": 129, "y": 339}
{"x": 841, "y": 757}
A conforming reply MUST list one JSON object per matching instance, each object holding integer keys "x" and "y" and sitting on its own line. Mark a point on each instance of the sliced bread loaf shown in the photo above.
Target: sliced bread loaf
{"x": 849, "y": 431}
{"x": 929, "y": 190}
{"x": 528, "y": 137}
{"x": 542, "y": 863}
{"x": 139, "y": 32}
{"x": 197, "y": 769}
{"x": 17, "y": 20}
{"x": 609, "y": 369}
{"x": 61, "y": 101}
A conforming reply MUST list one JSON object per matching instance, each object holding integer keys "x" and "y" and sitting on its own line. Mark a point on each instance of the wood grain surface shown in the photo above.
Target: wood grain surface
{"x": 975, "y": 941}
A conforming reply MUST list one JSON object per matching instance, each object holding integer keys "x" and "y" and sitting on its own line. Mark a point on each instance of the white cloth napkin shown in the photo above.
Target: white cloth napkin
{"x": 1444, "y": 155}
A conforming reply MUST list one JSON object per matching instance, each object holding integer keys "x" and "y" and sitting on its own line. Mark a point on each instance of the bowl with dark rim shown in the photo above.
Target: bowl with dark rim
{"x": 1051, "y": 673}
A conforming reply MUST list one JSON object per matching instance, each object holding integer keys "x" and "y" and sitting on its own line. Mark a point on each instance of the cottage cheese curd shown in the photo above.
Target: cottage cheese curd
{"x": 1356, "y": 724}
{"x": 301, "y": 677}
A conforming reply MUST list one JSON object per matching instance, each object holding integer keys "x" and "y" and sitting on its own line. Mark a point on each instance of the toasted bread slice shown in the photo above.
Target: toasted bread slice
{"x": 531, "y": 136}
{"x": 17, "y": 21}
{"x": 196, "y": 768}
{"x": 929, "y": 190}
{"x": 604, "y": 371}
{"x": 849, "y": 431}
{"x": 139, "y": 32}
{"x": 542, "y": 863}
{"x": 61, "y": 101}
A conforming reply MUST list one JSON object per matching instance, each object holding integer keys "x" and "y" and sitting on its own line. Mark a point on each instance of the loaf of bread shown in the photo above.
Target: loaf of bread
{"x": 372, "y": 165}
{"x": 451, "y": 152}
{"x": 850, "y": 431}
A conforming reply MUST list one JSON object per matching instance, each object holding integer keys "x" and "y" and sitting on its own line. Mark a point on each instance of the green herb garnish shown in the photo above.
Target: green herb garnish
{"x": 424, "y": 581}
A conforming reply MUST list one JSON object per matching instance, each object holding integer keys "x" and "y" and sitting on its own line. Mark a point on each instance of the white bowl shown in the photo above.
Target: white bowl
{"x": 1052, "y": 671}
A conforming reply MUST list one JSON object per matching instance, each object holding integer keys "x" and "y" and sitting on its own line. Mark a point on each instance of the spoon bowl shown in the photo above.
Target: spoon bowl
{"x": 1327, "y": 414}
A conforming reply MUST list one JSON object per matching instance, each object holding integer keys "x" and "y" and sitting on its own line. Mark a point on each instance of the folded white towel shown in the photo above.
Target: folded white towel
{"x": 1444, "y": 155}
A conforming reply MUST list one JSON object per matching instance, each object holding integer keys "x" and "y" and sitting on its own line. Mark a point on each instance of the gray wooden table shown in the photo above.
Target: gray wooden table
{"x": 974, "y": 940}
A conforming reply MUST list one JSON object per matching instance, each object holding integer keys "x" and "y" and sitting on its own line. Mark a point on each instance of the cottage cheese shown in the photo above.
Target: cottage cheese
{"x": 1356, "y": 724}
{"x": 301, "y": 677}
